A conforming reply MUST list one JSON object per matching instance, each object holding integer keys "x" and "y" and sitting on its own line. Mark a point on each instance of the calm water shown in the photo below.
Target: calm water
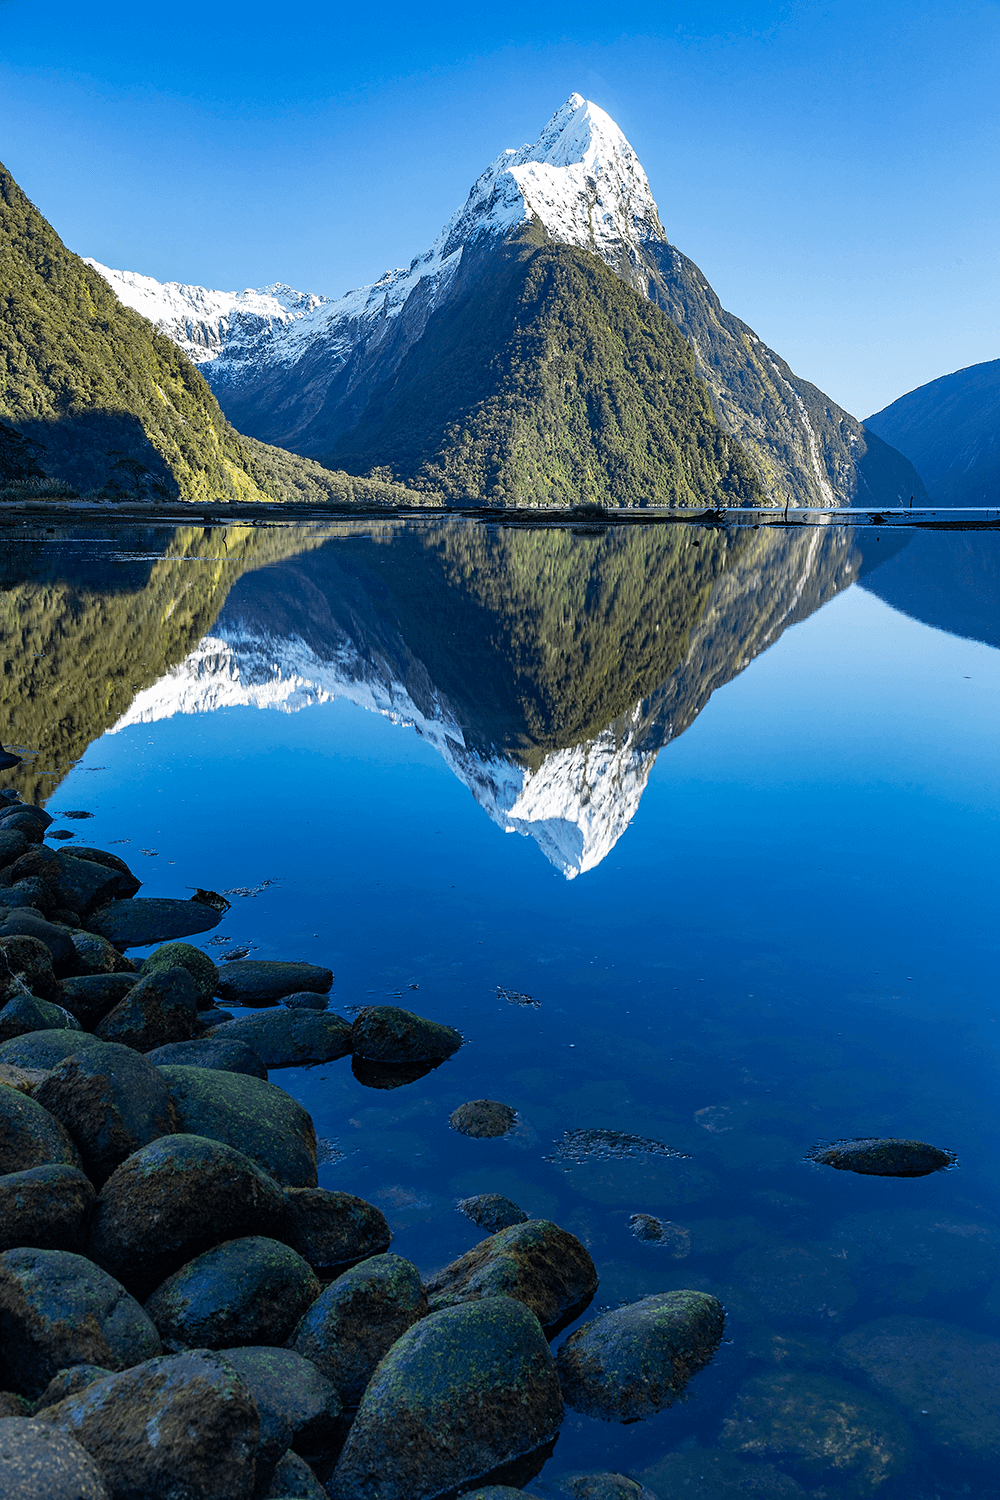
{"x": 692, "y": 834}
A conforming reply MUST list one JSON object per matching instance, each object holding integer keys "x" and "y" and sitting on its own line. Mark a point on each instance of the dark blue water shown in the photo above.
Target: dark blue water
{"x": 752, "y": 911}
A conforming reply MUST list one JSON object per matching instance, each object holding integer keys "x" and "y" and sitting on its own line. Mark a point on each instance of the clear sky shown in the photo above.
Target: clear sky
{"x": 832, "y": 167}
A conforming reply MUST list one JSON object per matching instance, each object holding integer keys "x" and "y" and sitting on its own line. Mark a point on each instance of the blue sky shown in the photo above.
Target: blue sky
{"x": 832, "y": 167}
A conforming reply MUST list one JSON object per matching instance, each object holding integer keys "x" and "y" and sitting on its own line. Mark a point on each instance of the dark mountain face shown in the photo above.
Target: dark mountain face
{"x": 950, "y": 430}
{"x": 950, "y": 580}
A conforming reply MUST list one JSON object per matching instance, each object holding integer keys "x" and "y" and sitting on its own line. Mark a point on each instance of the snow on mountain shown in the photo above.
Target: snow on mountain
{"x": 576, "y": 805}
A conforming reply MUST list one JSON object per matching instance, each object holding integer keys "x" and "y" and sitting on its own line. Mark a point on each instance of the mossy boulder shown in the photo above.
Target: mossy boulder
{"x": 44, "y": 1049}
{"x": 246, "y": 1291}
{"x": 152, "y": 919}
{"x": 95, "y": 955}
{"x": 67, "y": 1382}
{"x": 636, "y": 1360}
{"x": 293, "y": 1479}
{"x": 285, "y": 1038}
{"x": 483, "y": 1118}
{"x": 177, "y": 1427}
{"x": 112, "y": 1102}
{"x": 262, "y": 981}
{"x": 831, "y": 1431}
{"x": 185, "y": 956}
{"x": 536, "y": 1262}
{"x": 299, "y": 1408}
{"x": 173, "y": 1199}
{"x": 81, "y": 884}
{"x": 389, "y": 1034}
{"x": 257, "y": 1118}
{"x": 463, "y": 1392}
{"x": 602, "y": 1487}
{"x": 30, "y": 1136}
{"x": 491, "y": 1211}
{"x": 162, "y": 1007}
{"x": 26, "y": 1013}
{"x": 887, "y": 1157}
{"x": 39, "y": 1463}
{"x": 45, "y": 1207}
{"x": 209, "y": 1052}
{"x": 89, "y": 997}
{"x": 59, "y": 1309}
{"x": 333, "y": 1230}
{"x": 358, "y": 1318}
{"x": 27, "y": 959}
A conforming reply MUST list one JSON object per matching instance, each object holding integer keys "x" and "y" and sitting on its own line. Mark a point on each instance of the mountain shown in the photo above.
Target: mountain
{"x": 948, "y": 579}
{"x": 405, "y": 375}
{"x": 949, "y": 429}
{"x": 96, "y": 400}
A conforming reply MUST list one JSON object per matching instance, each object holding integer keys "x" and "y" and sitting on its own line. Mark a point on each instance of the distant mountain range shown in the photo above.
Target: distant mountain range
{"x": 550, "y": 346}
{"x": 950, "y": 431}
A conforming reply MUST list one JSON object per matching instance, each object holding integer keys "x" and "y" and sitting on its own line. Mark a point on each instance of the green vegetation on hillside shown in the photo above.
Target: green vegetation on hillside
{"x": 546, "y": 380}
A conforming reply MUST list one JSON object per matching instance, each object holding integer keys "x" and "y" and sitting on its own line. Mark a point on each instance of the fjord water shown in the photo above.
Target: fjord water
{"x": 690, "y": 831}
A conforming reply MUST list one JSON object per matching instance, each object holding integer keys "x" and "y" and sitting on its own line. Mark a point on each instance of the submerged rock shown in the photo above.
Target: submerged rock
{"x": 288, "y": 1038}
{"x": 173, "y": 1199}
{"x": 536, "y": 1262}
{"x": 30, "y": 1136}
{"x": 261, "y": 981}
{"x": 179, "y": 1427}
{"x": 59, "y": 1309}
{"x": 831, "y": 1430}
{"x": 884, "y": 1158}
{"x": 257, "y": 1118}
{"x": 152, "y": 919}
{"x": 463, "y": 1392}
{"x": 305, "y": 1000}
{"x": 39, "y": 1463}
{"x": 299, "y": 1408}
{"x": 332, "y": 1230}
{"x": 111, "y": 1100}
{"x": 89, "y": 997}
{"x": 789, "y": 1283}
{"x": 247, "y": 1291}
{"x": 209, "y": 1052}
{"x": 602, "y": 1487}
{"x": 186, "y": 956}
{"x": 46, "y": 1207}
{"x": 709, "y": 1474}
{"x": 389, "y": 1034}
{"x": 634, "y": 1361}
{"x": 160, "y": 1008}
{"x": 483, "y": 1118}
{"x": 358, "y": 1318}
{"x": 492, "y": 1211}
{"x": 26, "y": 1013}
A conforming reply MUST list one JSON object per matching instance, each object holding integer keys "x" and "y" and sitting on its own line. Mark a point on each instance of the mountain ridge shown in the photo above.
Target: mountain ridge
{"x": 950, "y": 430}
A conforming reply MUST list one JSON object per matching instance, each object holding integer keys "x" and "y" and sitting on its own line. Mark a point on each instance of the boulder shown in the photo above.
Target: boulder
{"x": 95, "y": 955}
{"x": 888, "y": 1157}
{"x": 305, "y": 1000}
{"x": 162, "y": 1007}
{"x": 261, "y": 981}
{"x": 173, "y": 1199}
{"x": 12, "y": 845}
{"x": 67, "y": 1382}
{"x": 357, "y": 1318}
{"x": 26, "y": 960}
{"x": 82, "y": 884}
{"x": 287, "y": 1038}
{"x": 58, "y": 1309}
{"x": 178, "y": 1427}
{"x": 247, "y": 1291}
{"x": 333, "y": 1230}
{"x": 602, "y": 1487}
{"x": 44, "y": 1049}
{"x": 389, "y": 1034}
{"x": 28, "y": 819}
{"x": 184, "y": 955}
{"x": 128, "y": 883}
{"x": 492, "y": 1211}
{"x": 89, "y": 997}
{"x": 45, "y": 1207}
{"x": 152, "y": 919}
{"x": 710, "y": 1474}
{"x": 634, "y": 1361}
{"x": 111, "y": 1100}
{"x": 30, "y": 1136}
{"x": 39, "y": 1463}
{"x": 299, "y": 1408}
{"x": 202, "y": 1052}
{"x": 27, "y": 895}
{"x": 258, "y": 1118}
{"x": 536, "y": 1262}
{"x": 294, "y": 1480}
{"x": 483, "y": 1118}
{"x": 463, "y": 1392}
{"x": 26, "y": 1013}
{"x": 833, "y": 1432}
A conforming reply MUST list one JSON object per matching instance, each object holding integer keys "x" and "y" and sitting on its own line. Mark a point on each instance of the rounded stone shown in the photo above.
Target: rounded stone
{"x": 832, "y": 1431}
{"x": 27, "y": 957}
{"x": 44, "y": 1049}
{"x": 39, "y": 1463}
{"x": 59, "y": 1309}
{"x": 173, "y": 1199}
{"x": 305, "y": 1000}
{"x": 67, "y": 1382}
{"x": 257, "y": 1118}
{"x": 483, "y": 1118}
{"x": 89, "y": 997}
{"x": 95, "y": 955}
{"x": 389, "y": 1034}
{"x": 246, "y": 1291}
{"x": 45, "y": 1207}
{"x": 333, "y": 1230}
{"x": 24, "y": 1013}
{"x": 30, "y": 1136}
{"x": 293, "y": 1479}
{"x": 463, "y": 1392}
{"x": 299, "y": 1408}
{"x": 162, "y": 1007}
{"x": 185, "y": 956}
{"x": 602, "y": 1487}
{"x": 209, "y": 1052}
{"x": 636, "y": 1360}
{"x": 288, "y": 1038}
{"x": 178, "y": 1427}
{"x": 358, "y": 1318}
{"x": 262, "y": 981}
{"x": 492, "y": 1211}
{"x": 536, "y": 1262}
{"x": 888, "y": 1157}
{"x": 152, "y": 919}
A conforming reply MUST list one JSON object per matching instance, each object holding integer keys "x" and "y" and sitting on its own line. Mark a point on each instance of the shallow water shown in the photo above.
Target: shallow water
{"x": 692, "y": 834}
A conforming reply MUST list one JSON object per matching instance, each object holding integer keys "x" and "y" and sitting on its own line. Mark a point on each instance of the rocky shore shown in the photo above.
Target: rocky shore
{"x": 184, "y": 1313}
